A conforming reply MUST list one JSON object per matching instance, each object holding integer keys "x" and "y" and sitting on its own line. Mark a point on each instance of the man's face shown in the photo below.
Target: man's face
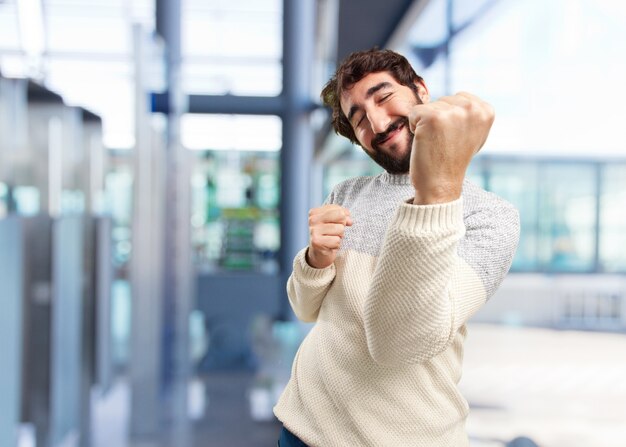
{"x": 378, "y": 107}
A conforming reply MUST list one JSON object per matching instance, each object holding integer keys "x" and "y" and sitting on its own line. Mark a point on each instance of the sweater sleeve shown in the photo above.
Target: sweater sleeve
{"x": 307, "y": 287}
{"x": 422, "y": 292}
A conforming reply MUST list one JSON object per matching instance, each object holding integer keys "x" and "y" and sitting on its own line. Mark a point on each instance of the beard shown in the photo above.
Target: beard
{"x": 399, "y": 164}
{"x": 393, "y": 165}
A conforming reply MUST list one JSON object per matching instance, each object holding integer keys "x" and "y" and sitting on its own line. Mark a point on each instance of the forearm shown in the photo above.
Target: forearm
{"x": 411, "y": 311}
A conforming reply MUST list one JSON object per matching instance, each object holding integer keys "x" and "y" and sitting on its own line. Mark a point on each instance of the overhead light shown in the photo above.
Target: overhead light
{"x": 30, "y": 16}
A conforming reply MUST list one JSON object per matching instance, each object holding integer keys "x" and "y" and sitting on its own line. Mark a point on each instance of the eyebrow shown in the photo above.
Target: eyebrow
{"x": 368, "y": 94}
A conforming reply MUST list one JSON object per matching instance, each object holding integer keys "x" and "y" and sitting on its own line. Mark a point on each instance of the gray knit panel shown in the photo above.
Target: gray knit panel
{"x": 492, "y": 230}
{"x": 492, "y": 224}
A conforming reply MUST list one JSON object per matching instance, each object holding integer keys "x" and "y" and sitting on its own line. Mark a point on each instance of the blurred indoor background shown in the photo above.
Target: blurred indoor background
{"x": 157, "y": 162}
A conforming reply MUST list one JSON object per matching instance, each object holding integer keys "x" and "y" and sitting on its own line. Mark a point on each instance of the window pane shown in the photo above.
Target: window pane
{"x": 431, "y": 28}
{"x": 218, "y": 57}
{"x": 227, "y": 33}
{"x": 103, "y": 87}
{"x": 88, "y": 57}
{"x": 613, "y": 219}
{"x": 4, "y": 200}
{"x": 235, "y": 216}
{"x": 9, "y": 31}
{"x": 88, "y": 35}
{"x": 231, "y": 132}
{"x": 518, "y": 183}
{"x": 219, "y": 76}
{"x": 529, "y": 76}
{"x": 567, "y": 217}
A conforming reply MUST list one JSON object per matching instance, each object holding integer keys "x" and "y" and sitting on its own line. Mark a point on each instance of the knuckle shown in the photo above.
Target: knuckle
{"x": 435, "y": 118}
{"x": 317, "y": 243}
{"x": 487, "y": 114}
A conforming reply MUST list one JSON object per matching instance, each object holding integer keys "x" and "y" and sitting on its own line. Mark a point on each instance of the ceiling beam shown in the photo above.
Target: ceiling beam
{"x": 364, "y": 24}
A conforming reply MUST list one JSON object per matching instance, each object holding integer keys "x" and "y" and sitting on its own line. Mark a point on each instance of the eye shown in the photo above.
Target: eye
{"x": 356, "y": 121}
{"x": 384, "y": 97}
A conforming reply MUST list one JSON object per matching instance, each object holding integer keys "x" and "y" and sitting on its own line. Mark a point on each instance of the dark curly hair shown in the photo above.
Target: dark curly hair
{"x": 354, "y": 68}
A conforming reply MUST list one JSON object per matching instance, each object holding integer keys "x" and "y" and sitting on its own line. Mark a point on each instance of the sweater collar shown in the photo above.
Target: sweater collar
{"x": 395, "y": 179}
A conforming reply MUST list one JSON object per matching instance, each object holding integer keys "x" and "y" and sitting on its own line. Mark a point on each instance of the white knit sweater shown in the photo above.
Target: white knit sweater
{"x": 381, "y": 365}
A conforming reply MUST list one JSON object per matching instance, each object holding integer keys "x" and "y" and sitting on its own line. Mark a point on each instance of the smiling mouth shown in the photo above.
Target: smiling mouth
{"x": 393, "y": 130}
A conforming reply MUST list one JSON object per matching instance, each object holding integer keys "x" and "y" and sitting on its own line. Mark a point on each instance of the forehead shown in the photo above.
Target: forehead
{"x": 357, "y": 93}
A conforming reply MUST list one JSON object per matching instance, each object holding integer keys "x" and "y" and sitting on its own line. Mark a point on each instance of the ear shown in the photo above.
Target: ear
{"x": 422, "y": 91}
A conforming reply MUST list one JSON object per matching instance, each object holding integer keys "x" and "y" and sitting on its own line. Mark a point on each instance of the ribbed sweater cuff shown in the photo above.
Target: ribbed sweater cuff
{"x": 429, "y": 218}
{"x": 311, "y": 273}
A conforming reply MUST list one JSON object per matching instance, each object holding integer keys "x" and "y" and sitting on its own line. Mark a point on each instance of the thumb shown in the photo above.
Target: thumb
{"x": 415, "y": 116}
{"x": 348, "y": 217}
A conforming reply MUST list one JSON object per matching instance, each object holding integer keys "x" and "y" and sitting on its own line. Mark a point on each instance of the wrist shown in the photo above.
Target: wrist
{"x": 437, "y": 194}
{"x": 312, "y": 261}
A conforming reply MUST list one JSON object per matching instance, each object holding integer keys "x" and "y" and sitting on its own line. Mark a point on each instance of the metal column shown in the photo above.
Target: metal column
{"x": 11, "y": 278}
{"x": 145, "y": 362}
{"x": 178, "y": 271}
{"x": 297, "y": 151}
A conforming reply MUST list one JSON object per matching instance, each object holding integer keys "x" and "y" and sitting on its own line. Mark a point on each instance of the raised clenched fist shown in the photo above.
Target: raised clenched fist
{"x": 448, "y": 132}
{"x": 326, "y": 228}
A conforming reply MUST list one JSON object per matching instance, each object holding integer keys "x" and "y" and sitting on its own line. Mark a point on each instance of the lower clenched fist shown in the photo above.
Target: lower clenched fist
{"x": 326, "y": 229}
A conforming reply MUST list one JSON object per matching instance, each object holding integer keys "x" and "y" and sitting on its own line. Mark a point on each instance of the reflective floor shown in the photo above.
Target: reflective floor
{"x": 227, "y": 421}
{"x": 558, "y": 388}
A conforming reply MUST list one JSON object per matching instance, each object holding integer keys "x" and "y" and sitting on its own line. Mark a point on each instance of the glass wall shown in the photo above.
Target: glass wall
{"x": 81, "y": 50}
{"x": 4, "y": 200}
{"x": 119, "y": 193}
{"x": 612, "y": 234}
{"x": 517, "y": 182}
{"x": 557, "y": 203}
{"x": 235, "y": 218}
{"x": 236, "y": 175}
{"x": 119, "y": 203}
{"x": 567, "y": 217}
{"x": 218, "y": 57}
{"x": 572, "y": 213}
{"x": 236, "y": 191}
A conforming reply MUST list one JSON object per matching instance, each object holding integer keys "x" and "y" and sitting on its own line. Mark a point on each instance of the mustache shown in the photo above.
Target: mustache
{"x": 381, "y": 137}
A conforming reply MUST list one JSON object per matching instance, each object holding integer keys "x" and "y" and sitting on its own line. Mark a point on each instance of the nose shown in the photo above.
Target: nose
{"x": 379, "y": 120}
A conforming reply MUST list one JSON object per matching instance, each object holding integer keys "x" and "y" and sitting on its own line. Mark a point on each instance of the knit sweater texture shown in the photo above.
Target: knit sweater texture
{"x": 381, "y": 365}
